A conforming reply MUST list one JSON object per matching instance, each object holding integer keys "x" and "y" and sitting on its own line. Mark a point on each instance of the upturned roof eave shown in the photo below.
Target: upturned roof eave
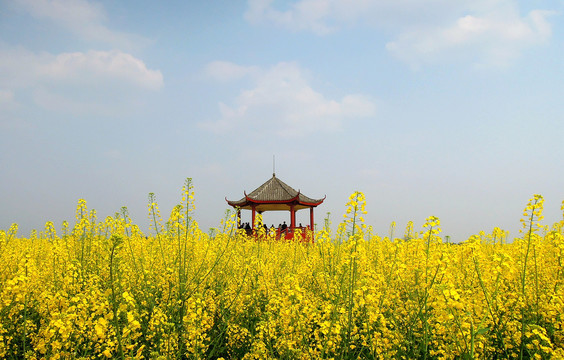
{"x": 272, "y": 188}
{"x": 248, "y": 200}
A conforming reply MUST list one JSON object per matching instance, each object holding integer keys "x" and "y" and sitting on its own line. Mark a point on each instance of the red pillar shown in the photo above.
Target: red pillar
{"x": 292, "y": 217}
{"x": 311, "y": 218}
{"x": 253, "y": 217}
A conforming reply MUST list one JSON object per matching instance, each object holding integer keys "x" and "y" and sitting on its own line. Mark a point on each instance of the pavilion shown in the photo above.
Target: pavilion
{"x": 275, "y": 195}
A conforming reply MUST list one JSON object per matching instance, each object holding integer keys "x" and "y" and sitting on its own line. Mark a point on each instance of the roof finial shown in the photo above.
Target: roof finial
{"x": 273, "y": 166}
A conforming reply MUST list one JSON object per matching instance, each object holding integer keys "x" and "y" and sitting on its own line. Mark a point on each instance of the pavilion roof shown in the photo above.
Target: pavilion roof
{"x": 275, "y": 194}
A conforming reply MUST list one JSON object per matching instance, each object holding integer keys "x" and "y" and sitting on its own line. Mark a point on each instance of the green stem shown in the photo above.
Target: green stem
{"x": 353, "y": 271}
{"x": 115, "y": 301}
{"x": 24, "y": 335}
{"x": 523, "y": 278}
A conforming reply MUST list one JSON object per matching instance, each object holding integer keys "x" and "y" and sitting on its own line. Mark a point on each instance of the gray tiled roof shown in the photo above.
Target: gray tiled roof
{"x": 275, "y": 190}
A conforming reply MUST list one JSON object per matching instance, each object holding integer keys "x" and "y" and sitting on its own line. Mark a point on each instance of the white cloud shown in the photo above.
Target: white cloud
{"x": 83, "y": 102}
{"x": 303, "y": 15}
{"x": 95, "y": 66}
{"x": 83, "y": 19}
{"x": 18, "y": 67}
{"x": 283, "y": 102}
{"x": 8, "y": 108}
{"x": 488, "y": 40}
{"x": 115, "y": 154}
{"x": 7, "y": 99}
{"x": 424, "y": 31}
{"x": 325, "y": 16}
{"x": 23, "y": 68}
{"x": 75, "y": 80}
{"x": 67, "y": 11}
{"x": 227, "y": 71}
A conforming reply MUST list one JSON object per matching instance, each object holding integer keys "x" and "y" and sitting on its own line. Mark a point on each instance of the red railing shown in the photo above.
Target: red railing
{"x": 284, "y": 234}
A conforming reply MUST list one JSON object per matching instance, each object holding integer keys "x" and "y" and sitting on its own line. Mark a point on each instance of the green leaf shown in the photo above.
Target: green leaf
{"x": 482, "y": 331}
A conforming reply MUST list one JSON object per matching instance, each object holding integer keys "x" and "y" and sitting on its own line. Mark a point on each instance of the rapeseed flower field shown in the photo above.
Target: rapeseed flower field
{"x": 103, "y": 289}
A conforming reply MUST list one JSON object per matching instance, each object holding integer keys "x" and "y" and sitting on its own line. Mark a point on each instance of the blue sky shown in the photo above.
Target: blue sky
{"x": 437, "y": 107}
